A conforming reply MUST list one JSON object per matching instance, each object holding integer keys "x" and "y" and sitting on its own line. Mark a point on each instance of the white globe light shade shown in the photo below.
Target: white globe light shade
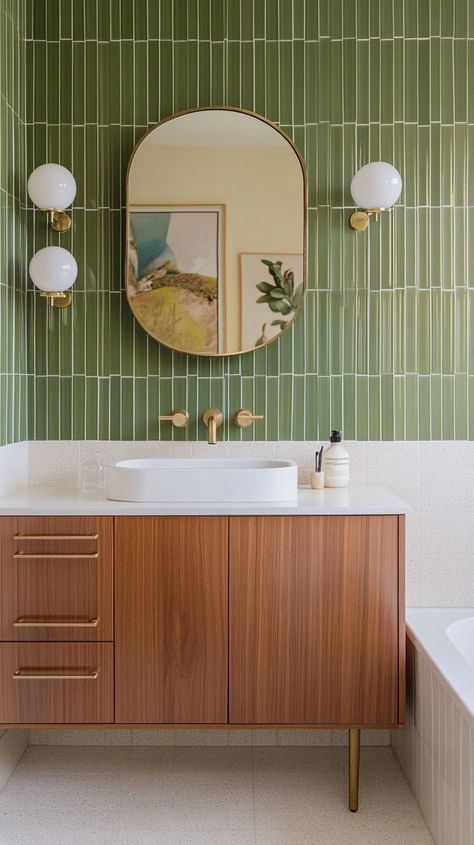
{"x": 376, "y": 185}
{"x": 53, "y": 269}
{"x": 52, "y": 186}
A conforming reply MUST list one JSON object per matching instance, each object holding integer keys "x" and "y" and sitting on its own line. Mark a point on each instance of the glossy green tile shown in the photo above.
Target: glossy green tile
{"x": 460, "y": 407}
{"x": 115, "y": 410}
{"x": 461, "y": 159}
{"x": 447, "y": 342}
{"x": 436, "y": 407}
{"x": 236, "y": 19}
{"x": 126, "y": 408}
{"x": 103, "y": 408}
{"x": 436, "y": 330}
{"x": 417, "y": 263}
{"x": 259, "y": 73}
{"x": 336, "y": 141}
{"x": 337, "y": 414}
{"x": 471, "y": 407}
{"x": 461, "y": 241}
{"x": 246, "y": 77}
{"x": 286, "y": 353}
{"x": 204, "y": 19}
{"x": 140, "y": 420}
{"x": 424, "y": 407}
{"x": 180, "y": 77}
{"x": 324, "y": 63}
{"x": 141, "y": 91}
{"x": 448, "y": 407}
{"x": 470, "y": 332}
{"x": 423, "y": 331}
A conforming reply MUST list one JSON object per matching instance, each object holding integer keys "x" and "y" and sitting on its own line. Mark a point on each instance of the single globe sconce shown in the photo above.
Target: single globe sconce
{"x": 53, "y": 270}
{"x": 375, "y": 187}
{"x": 52, "y": 188}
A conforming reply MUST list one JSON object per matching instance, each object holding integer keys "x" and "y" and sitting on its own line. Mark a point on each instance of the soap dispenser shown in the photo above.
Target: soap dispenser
{"x": 336, "y": 463}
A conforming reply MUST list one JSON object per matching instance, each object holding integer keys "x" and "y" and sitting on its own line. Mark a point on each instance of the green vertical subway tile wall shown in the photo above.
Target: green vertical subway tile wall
{"x": 384, "y": 346}
{"x": 13, "y": 308}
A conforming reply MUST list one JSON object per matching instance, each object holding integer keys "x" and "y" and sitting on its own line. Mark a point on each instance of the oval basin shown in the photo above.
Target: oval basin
{"x": 201, "y": 480}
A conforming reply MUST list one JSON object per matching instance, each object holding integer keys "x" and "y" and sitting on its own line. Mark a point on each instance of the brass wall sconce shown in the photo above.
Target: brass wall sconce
{"x": 53, "y": 270}
{"x": 375, "y": 187}
{"x": 52, "y": 188}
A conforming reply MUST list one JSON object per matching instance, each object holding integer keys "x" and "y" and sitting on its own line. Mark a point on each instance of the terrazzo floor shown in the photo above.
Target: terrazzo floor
{"x": 206, "y": 796}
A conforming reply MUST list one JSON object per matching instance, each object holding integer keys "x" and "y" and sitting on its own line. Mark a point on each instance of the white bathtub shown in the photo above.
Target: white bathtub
{"x": 436, "y": 750}
{"x": 446, "y": 637}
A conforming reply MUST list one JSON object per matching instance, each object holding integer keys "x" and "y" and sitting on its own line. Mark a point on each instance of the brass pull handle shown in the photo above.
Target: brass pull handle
{"x": 244, "y": 418}
{"x": 39, "y": 675}
{"x": 34, "y": 622}
{"x": 55, "y": 536}
{"x": 178, "y": 418}
{"x": 24, "y": 556}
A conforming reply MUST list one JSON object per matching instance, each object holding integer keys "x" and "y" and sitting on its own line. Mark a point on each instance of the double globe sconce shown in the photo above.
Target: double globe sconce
{"x": 376, "y": 187}
{"x": 53, "y": 270}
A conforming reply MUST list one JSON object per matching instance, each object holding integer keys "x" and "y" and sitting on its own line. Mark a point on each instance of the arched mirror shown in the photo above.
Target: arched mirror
{"x": 216, "y": 232}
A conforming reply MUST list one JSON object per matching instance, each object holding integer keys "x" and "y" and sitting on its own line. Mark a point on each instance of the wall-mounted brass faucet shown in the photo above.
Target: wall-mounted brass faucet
{"x": 212, "y": 419}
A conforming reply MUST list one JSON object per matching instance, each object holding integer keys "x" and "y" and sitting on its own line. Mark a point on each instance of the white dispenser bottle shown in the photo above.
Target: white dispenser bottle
{"x": 336, "y": 463}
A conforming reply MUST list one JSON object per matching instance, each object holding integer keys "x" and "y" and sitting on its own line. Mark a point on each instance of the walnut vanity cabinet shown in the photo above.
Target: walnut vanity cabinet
{"x": 205, "y": 620}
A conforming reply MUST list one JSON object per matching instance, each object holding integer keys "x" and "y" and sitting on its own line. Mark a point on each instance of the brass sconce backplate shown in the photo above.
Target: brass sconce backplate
{"x": 58, "y": 220}
{"x": 359, "y": 220}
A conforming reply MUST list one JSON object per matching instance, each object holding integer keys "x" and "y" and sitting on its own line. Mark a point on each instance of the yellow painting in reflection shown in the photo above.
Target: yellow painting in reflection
{"x": 175, "y": 264}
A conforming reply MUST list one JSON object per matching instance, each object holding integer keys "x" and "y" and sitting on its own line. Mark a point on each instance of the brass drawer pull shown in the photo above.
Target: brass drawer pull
{"x": 55, "y": 537}
{"x": 57, "y": 555}
{"x": 32, "y": 622}
{"x": 38, "y": 675}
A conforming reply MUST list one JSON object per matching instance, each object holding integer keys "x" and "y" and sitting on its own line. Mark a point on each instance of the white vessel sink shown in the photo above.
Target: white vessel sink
{"x": 201, "y": 480}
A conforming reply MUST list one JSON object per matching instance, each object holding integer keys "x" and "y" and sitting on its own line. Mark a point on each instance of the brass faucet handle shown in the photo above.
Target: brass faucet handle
{"x": 244, "y": 418}
{"x": 178, "y": 418}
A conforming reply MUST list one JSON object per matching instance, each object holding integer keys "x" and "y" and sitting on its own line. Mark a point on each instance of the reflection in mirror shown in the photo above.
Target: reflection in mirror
{"x": 216, "y": 209}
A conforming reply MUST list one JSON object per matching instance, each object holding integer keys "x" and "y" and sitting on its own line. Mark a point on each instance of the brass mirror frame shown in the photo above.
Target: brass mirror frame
{"x": 305, "y": 225}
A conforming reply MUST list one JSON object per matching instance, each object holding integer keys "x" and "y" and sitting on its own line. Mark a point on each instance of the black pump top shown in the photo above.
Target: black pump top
{"x": 336, "y": 437}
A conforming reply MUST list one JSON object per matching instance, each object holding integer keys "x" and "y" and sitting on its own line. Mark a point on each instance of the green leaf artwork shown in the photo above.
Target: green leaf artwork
{"x": 280, "y": 294}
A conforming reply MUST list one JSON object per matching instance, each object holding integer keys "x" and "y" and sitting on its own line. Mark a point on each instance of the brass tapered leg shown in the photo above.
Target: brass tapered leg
{"x": 354, "y": 756}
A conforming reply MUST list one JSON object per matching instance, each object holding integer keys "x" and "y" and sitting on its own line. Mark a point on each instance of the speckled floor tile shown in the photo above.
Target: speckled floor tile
{"x": 206, "y": 796}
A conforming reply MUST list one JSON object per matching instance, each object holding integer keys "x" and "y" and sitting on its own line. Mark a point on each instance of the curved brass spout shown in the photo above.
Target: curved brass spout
{"x": 212, "y": 419}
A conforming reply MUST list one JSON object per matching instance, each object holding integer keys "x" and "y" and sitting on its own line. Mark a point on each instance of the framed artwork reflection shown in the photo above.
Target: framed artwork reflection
{"x": 271, "y": 290}
{"x": 176, "y": 274}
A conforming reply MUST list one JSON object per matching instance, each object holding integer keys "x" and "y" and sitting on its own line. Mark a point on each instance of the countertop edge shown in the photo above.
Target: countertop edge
{"x": 363, "y": 500}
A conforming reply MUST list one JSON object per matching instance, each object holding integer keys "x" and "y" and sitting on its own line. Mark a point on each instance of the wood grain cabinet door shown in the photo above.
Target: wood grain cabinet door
{"x": 56, "y": 578}
{"x": 314, "y": 620}
{"x": 171, "y": 619}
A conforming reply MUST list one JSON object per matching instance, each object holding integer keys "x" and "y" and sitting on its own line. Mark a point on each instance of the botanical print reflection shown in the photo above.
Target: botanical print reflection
{"x": 272, "y": 290}
{"x": 176, "y": 261}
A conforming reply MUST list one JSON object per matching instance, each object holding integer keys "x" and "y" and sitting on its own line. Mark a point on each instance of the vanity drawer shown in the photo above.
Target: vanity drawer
{"x": 56, "y": 578}
{"x": 56, "y": 683}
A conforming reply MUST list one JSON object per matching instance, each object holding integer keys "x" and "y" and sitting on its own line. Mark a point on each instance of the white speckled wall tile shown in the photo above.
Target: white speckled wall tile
{"x": 440, "y": 525}
{"x": 14, "y": 467}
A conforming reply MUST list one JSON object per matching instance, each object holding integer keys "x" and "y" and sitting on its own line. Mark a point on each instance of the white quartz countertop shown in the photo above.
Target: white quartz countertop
{"x": 364, "y": 499}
